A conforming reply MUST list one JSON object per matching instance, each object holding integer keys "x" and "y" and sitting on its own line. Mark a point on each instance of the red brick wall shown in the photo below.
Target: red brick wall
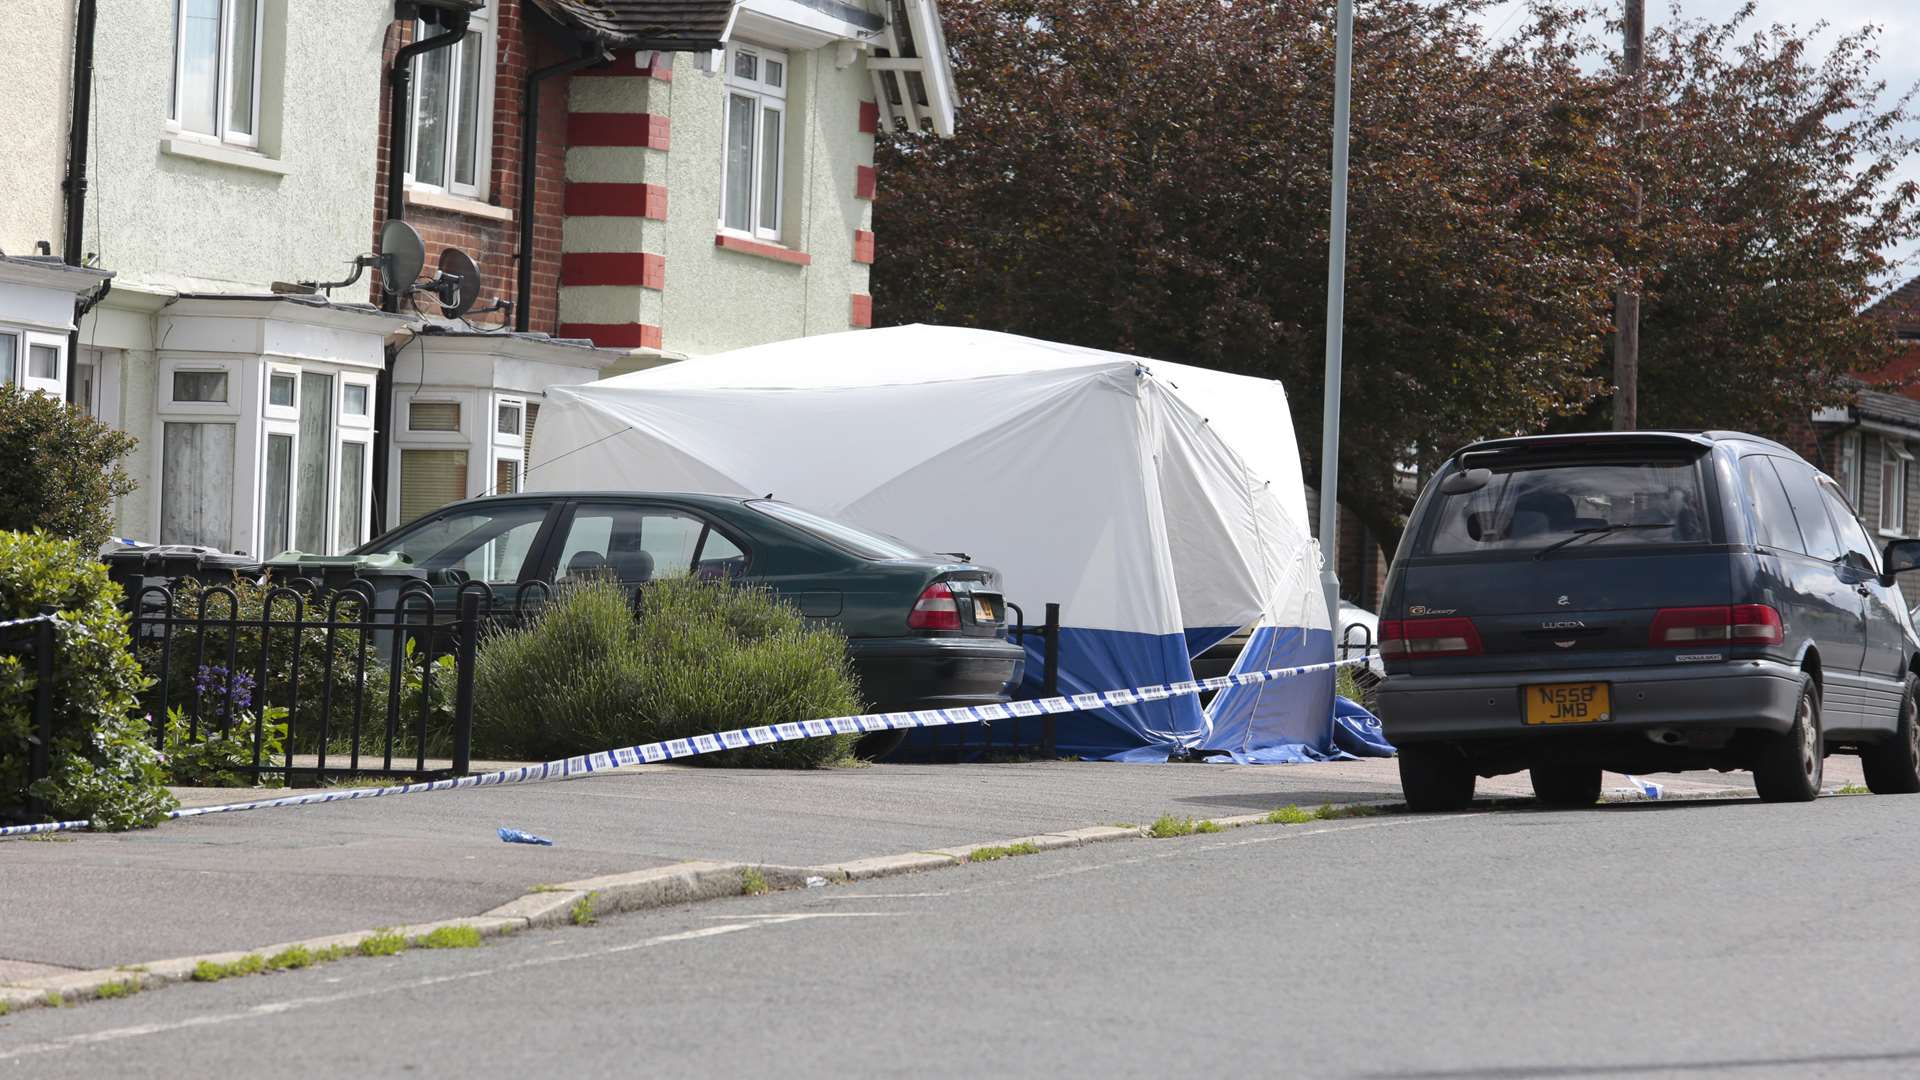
{"x": 495, "y": 244}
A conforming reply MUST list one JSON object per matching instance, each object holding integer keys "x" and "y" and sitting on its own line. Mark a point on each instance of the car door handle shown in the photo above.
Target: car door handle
{"x": 1863, "y": 590}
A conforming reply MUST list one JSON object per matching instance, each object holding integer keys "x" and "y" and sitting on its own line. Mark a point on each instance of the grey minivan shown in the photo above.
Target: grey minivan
{"x": 1643, "y": 602}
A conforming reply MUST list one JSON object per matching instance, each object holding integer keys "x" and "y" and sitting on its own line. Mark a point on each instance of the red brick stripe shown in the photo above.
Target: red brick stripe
{"x": 645, "y": 269}
{"x": 617, "y": 129}
{"x": 869, "y": 118}
{"x": 865, "y": 181}
{"x": 765, "y": 251}
{"x": 617, "y": 200}
{"x": 615, "y": 335}
{"x": 862, "y": 246}
{"x": 862, "y": 310}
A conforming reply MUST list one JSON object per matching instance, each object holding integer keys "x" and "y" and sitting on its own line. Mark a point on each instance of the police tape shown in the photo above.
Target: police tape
{"x": 4, "y": 623}
{"x": 572, "y": 768}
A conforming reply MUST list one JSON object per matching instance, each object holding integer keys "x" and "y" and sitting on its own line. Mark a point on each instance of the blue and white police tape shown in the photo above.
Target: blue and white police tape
{"x": 4, "y": 623}
{"x": 677, "y": 749}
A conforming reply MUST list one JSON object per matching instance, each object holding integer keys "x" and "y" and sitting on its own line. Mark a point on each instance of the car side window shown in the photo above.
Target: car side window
{"x": 720, "y": 559}
{"x": 631, "y": 543}
{"x": 489, "y": 542}
{"x": 1853, "y": 535}
{"x": 1772, "y": 515}
{"x": 1809, "y": 509}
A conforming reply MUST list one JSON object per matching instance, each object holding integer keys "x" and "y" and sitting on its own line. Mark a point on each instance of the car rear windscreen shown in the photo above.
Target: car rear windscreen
{"x": 1529, "y": 506}
{"x": 855, "y": 541}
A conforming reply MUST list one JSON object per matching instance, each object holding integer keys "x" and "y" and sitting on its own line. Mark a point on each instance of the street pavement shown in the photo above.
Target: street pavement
{"x": 242, "y": 881}
{"x": 1689, "y": 939}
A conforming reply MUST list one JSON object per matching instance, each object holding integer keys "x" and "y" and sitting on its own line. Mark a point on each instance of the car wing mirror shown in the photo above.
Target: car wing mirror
{"x": 1900, "y": 557}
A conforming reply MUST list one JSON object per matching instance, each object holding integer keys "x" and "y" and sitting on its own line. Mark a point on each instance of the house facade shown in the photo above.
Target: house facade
{"x": 637, "y": 181}
{"x": 1869, "y": 446}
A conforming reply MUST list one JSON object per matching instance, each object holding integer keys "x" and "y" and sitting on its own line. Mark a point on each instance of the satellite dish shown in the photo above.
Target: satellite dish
{"x": 400, "y": 246}
{"x": 458, "y": 283}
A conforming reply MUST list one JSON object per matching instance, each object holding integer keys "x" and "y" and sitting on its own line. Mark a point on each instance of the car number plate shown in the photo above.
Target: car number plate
{"x": 983, "y": 611}
{"x": 1569, "y": 703}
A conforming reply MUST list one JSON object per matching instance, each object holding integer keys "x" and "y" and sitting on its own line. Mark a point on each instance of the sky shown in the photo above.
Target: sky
{"x": 1899, "y": 47}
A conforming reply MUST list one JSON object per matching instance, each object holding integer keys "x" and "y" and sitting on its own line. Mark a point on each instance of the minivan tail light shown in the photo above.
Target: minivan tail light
{"x": 935, "y": 610}
{"x": 1429, "y": 637}
{"x": 1740, "y": 624}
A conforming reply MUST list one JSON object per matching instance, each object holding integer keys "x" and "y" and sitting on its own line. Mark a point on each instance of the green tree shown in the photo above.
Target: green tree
{"x": 63, "y": 468}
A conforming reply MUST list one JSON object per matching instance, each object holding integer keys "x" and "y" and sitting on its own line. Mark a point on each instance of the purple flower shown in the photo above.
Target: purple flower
{"x": 228, "y": 693}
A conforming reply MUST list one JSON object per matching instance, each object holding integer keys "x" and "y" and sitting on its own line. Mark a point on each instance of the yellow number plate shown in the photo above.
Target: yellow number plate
{"x": 1569, "y": 703}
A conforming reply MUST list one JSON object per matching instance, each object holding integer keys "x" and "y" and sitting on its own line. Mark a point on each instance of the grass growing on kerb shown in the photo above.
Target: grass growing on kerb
{"x": 1291, "y": 815}
{"x": 753, "y": 882}
{"x": 450, "y": 937}
{"x": 1003, "y": 851}
{"x": 583, "y": 913}
{"x": 120, "y": 989}
{"x": 382, "y": 943}
{"x": 1852, "y": 789}
{"x": 1166, "y": 825}
{"x": 1330, "y": 812}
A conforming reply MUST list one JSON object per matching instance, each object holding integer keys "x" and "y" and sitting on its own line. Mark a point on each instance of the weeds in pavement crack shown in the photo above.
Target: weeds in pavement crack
{"x": 1290, "y": 815}
{"x": 753, "y": 882}
{"x": 120, "y": 989}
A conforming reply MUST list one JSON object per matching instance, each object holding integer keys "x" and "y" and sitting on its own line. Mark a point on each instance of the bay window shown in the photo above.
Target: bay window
{"x": 753, "y": 169}
{"x": 216, "y": 69}
{"x": 453, "y": 111}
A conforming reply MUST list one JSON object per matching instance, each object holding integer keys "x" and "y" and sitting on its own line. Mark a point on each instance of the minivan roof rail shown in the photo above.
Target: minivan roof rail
{"x": 1610, "y": 440}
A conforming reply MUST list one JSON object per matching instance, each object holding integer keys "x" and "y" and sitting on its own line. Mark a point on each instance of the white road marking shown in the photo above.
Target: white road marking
{"x": 275, "y": 1008}
{"x": 796, "y": 916}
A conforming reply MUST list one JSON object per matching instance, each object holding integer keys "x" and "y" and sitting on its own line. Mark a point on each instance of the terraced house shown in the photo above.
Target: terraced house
{"x": 1870, "y": 446}
{"x": 192, "y": 239}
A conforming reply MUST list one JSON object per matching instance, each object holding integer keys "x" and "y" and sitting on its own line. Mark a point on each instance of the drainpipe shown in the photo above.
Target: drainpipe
{"x": 399, "y": 134}
{"x": 529, "y": 165}
{"x": 76, "y": 182}
{"x": 400, "y": 115}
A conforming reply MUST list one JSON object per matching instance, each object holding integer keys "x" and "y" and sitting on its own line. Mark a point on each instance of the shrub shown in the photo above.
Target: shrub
{"x": 103, "y": 766}
{"x": 701, "y": 657}
{"x": 63, "y": 468}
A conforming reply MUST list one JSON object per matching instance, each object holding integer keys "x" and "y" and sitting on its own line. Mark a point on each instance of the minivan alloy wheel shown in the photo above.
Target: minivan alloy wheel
{"x": 1789, "y": 766}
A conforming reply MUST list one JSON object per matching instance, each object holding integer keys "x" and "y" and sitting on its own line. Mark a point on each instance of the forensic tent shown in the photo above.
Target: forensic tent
{"x": 1160, "y": 505}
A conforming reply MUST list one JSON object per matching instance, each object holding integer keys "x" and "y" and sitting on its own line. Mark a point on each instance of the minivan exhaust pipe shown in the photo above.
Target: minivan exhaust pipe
{"x": 1666, "y": 736}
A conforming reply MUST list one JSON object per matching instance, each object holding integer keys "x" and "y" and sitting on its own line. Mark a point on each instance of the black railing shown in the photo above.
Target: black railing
{"x": 1049, "y": 669}
{"x": 34, "y": 637}
{"x": 289, "y": 681}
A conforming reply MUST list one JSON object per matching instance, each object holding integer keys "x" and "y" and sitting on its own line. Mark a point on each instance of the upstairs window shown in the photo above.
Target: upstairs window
{"x": 754, "y": 171}
{"x": 1894, "y": 460}
{"x": 453, "y": 111}
{"x": 216, "y": 69}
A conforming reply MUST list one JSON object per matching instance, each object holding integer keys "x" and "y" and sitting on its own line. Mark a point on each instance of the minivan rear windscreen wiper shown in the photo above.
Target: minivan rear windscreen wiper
{"x": 1596, "y": 531}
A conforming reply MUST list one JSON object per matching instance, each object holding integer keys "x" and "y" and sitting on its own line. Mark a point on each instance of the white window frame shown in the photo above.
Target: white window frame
{"x": 223, "y": 121}
{"x": 765, "y": 96}
{"x": 335, "y": 512}
{"x": 23, "y": 377}
{"x": 279, "y": 412}
{"x": 1848, "y": 457}
{"x": 200, "y": 409}
{"x": 479, "y": 23}
{"x": 290, "y": 429}
{"x": 1893, "y": 503}
{"x": 358, "y": 421}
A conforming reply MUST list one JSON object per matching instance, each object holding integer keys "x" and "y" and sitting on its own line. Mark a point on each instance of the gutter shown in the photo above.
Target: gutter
{"x": 75, "y": 184}
{"x": 529, "y": 167}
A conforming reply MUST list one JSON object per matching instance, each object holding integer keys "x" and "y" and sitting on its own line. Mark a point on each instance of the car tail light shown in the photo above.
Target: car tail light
{"x": 1744, "y": 624}
{"x": 1429, "y": 637}
{"x": 935, "y": 610}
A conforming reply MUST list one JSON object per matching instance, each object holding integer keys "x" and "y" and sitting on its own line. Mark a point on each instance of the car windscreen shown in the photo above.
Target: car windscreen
{"x": 1572, "y": 505}
{"x": 854, "y": 541}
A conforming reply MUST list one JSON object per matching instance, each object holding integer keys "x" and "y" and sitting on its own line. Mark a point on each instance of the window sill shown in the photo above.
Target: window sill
{"x": 181, "y": 146}
{"x": 761, "y": 249}
{"x": 1892, "y": 534}
{"x": 457, "y": 204}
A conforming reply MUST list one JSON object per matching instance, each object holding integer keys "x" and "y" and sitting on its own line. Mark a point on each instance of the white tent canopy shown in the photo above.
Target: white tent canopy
{"x": 1161, "y": 505}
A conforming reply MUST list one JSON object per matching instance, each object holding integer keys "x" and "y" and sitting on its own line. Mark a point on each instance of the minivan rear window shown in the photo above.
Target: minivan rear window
{"x": 1527, "y": 506}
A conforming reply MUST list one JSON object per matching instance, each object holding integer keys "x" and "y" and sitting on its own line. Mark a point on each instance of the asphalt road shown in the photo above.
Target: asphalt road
{"x": 1689, "y": 939}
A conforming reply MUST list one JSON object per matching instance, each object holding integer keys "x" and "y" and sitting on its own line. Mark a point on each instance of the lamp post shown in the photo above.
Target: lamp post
{"x": 1336, "y": 315}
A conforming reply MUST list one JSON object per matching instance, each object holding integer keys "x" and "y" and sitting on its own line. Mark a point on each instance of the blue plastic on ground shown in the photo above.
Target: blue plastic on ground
{"x": 515, "y": 836}
{"x": 1357, "y": 731}
{"x": 1290, "y": 720}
